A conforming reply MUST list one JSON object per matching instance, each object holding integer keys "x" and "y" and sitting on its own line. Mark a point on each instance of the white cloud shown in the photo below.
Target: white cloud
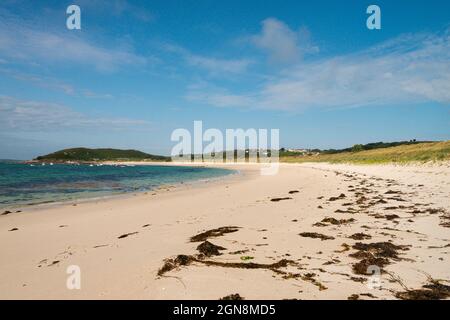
{"x": 215, "y": 66}
{"x": 25, "y": 115}
{"x": 281, "y": 43}
{"x": 218, "y": 65}
{"x": 408, "y": 69}
{"x": 24, "y": 41}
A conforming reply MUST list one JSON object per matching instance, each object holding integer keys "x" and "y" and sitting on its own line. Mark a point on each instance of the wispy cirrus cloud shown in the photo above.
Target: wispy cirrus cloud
{"x": 22, "y": 41}
{"x": 215, "y": 66}
{"x": 407, "y": 69}
{"x": 27, "y": 115}
{"x": 53, "y": 84}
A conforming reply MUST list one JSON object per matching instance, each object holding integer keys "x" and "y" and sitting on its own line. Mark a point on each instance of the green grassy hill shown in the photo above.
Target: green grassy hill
{"x": 85, "y": 154}
{"x": 415, "y": 152}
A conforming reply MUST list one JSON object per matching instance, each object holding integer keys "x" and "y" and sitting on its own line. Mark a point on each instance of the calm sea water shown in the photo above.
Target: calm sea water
{"x": 25, "y": 184}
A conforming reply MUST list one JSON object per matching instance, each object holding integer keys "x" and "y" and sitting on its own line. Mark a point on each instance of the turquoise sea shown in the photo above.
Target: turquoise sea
{"x": 25, "y": 184}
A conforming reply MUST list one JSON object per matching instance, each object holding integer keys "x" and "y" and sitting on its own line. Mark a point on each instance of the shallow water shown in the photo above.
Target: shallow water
{"x": 25, "y": 184}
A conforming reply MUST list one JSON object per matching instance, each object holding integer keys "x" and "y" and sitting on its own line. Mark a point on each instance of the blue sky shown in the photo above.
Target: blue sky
{"x": 137, "y": 70}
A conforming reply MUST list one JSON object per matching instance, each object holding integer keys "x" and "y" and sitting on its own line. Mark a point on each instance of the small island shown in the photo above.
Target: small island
{"x": 96, "y": 155}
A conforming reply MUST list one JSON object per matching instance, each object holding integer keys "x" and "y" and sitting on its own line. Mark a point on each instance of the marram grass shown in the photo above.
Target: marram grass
{"x": 421, "y": 152}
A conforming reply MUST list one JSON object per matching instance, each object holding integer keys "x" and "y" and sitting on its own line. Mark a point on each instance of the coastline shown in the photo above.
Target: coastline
{"x": 44, "y": 204}
{"x": 88, "y": 235}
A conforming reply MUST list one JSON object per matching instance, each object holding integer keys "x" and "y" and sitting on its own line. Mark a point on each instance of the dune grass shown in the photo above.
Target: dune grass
{"x": 421, "y": 152}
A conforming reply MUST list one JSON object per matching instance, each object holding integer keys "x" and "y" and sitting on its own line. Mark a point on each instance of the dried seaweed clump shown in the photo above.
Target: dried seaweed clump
{"x": 360, "y": 236}
{"x": 170, "y": 264}
{"x": 432, "y": 291}
{"x": 333, "y": 221}
{"x": 316, "y": 235}
{"x": 213, "y": 233}
{"x": 234, "y": 296}
{"x": 377, "y": 253}
{"x": 209, "y": 249}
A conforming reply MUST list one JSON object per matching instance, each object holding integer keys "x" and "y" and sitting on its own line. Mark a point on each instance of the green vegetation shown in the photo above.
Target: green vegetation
{"x": 85, "y": 154}
{"x": 400, "y": 153}
{"x": 373, "y": 145}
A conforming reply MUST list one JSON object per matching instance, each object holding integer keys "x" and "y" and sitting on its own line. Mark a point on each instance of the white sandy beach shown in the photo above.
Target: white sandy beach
{"x": 34, "y": 258}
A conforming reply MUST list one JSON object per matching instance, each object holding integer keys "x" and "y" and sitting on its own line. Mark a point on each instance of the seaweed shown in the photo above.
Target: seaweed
{"x": 170, "y": 264}
{"x": 184, "y": 260}
{"x": 127, "y": 235}
{"x": 434, "y": 290}
{"x": 209, "y": 249}
{"x": 391, "y": 216}
{"x": 234, "y": 296}
{"x": 341, "y": 196}
{"x": 360, "y": 236}
{"x": 393, "y": 192}
{"x": 316, "y": 235}
{"x": 213, "y": 233}
{"x": 380, "y": 249}
{"x": 377, "y": 253}
{"x": 280, "y": 199}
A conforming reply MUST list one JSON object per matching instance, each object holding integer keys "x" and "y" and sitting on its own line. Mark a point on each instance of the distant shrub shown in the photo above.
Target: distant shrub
{"x": 357, "y": 148}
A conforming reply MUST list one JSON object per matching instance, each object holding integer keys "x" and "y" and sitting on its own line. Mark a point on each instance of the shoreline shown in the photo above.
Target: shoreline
{"x": 122, "y": 244}
{"x": 18, "y": 208}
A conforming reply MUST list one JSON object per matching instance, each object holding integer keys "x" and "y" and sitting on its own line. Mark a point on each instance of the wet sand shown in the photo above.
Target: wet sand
{"x": 308, "y": 232}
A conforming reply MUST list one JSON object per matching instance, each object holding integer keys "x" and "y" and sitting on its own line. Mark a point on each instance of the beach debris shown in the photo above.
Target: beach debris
{"x": 391, "y": 216}
{"x": 6, "y": 212}
{"x": 170, "y": 264}
{"x": 393, "y": 192}
{"x": 234, "y": 296}
{"x": 213, "y": 233}
{"x": 251, "y": 265}
{"x": 280, "y": 199}
{"x": 333, "y": 221}
{"x": 184, "y": 260}
{"x": 362, "y": 267}
{"x": 316, "y": 235}
{"x": 293, "y": 191}
{"x": 127, "y": 235}
{"x": 240, "y": 251}
{"x": 434, "y": 290}
{"x": 100, "y": 246}
{"x": 309, "y": 277}
{"x": 360, "y": 236}
{"x": 353, "y": 297}
{"x": 349, "y": 210}
{"x": 377, "y": 253}
{"x": 146, "y": 225}
{"x": 380, "y": 249}
{"x": 246, "y": 258}
{"x": 341, "y": 196}
{"x": 209, "y": 249}
{"x": 391, "y": 208}
{"x": 13, "y": 229}
{"x": 445, "y": 220}
{"x": 55, "y": 262}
